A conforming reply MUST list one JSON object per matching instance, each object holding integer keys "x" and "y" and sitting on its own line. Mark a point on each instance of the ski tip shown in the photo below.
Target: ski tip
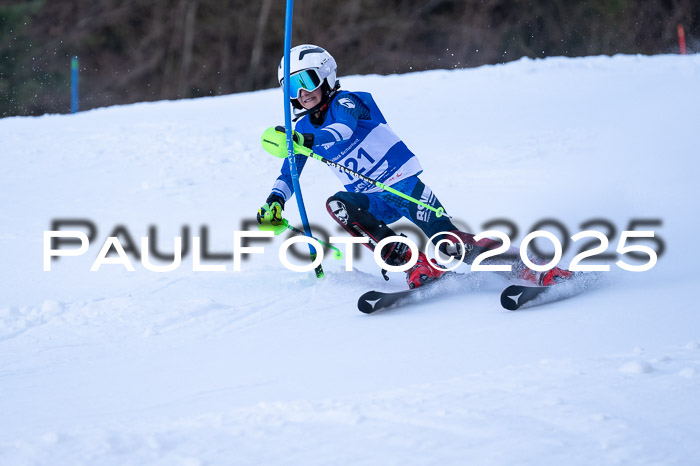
{"x": 516, "y": 296}
{"x": 368, "y": 302}
{"x": 510, "y": 297}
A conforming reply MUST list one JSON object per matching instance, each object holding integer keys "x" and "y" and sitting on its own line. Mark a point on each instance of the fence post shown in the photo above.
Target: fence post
{"x": 681, "y": 38}
{"x": 74, "y": 85}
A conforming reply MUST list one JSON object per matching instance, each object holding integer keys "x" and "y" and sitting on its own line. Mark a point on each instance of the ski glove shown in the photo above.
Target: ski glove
{"x": 303, "y": 139}
{"x": 271, "y": 212}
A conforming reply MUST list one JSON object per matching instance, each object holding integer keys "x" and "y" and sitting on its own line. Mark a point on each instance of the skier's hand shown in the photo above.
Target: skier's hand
{"x": 303, "y": 139}
{"x": 271, "y": 212}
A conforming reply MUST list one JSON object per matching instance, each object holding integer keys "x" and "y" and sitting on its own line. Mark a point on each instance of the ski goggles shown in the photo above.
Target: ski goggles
{"x": 309, "y": 80}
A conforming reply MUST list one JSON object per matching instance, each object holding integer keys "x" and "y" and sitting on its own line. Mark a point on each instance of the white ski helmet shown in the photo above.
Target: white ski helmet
{"x": 312, "y": 58}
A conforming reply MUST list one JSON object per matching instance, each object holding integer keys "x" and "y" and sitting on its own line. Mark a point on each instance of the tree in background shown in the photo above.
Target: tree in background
{"x": 25, "y": 74}
{"x": 139, "y": 50}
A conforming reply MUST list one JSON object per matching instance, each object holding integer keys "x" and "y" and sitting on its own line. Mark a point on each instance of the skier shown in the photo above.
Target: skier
{"x": 349, "y": 129}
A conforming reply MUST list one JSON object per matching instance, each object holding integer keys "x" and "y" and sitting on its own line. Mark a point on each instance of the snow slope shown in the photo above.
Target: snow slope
{"x": 268, "y": 366}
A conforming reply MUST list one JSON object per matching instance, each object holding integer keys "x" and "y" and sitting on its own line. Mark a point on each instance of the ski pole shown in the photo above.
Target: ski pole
{"x": 288, "y": 16}
{"x": 279, "y": 229}
{"x": 274, "y": 143}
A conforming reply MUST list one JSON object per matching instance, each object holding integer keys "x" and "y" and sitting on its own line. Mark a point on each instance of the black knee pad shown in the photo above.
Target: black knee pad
{"x": 356, "y": 220}
{"x": 340, "y": 209}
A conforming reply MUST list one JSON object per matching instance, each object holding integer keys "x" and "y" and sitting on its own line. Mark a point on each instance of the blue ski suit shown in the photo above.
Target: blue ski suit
{"x": 354, "y": 133}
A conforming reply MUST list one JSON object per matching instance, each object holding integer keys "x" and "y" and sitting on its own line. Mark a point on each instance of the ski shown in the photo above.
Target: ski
{"x": 373, "y": 301}
{"x": 523, "y": 296}
{"x": 448, "y": 284}
{"x": 515, "y": 296}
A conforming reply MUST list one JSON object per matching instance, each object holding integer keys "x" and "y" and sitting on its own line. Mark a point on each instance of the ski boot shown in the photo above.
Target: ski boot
{"x": 554, "y": 276}
{"x": 422, "y": 272}
{"x": 548, "y": 278}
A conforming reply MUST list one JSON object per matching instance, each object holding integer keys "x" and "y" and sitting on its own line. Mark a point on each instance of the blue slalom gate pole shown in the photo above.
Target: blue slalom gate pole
{"x": 288, "y": 126}
{"x": 74, "y": 85}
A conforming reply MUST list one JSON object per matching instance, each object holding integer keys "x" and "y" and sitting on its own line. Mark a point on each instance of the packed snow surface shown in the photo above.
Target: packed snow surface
{"x": 270, "y": 366}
